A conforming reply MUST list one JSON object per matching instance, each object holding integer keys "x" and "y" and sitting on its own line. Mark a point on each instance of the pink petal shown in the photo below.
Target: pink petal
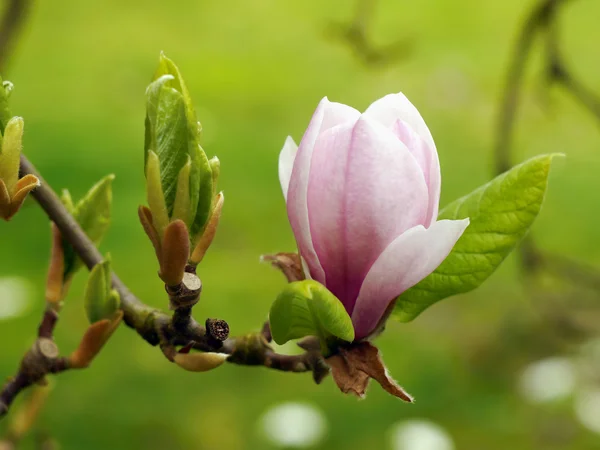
{"x": 326, "y": 116}
{"x": 365, "y": 189}
{"x": 286, "y": 164}
{"x": 405, "y": 262}
{"x": 392, "y": 107}
{"x": 428, "y": 161}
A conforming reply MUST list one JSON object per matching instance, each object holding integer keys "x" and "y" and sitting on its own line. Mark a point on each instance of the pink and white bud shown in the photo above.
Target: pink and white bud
{"x": 362, "y": 193}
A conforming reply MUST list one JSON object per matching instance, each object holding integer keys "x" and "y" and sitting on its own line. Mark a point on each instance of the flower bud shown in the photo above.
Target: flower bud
{"x": 384, "y": 166}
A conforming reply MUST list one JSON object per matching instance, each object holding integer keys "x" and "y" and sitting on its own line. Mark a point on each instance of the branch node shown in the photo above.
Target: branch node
{"x": 48, "y": 348}
{"x": 38, "y": 361}
{"x": 217, "y": 331}
{"x": 186, "y": 294}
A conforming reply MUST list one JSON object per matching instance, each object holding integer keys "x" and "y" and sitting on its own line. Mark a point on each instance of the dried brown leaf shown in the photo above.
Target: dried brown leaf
{"x": 353, "y": 366}
{"x": 289, "y": 263}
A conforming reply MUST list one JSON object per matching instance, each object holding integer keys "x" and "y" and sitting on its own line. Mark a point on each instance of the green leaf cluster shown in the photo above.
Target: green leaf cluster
{"x": 93, "y": 213}
{"x": 173, "y": 134}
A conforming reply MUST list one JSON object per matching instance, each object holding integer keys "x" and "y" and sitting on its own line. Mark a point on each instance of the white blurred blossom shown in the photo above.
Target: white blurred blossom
{"x": 294, "y": 425}
{"x": 420, "y": 435}
{"x": 548, "y": 380}
{"x": 587, "y": 409}
{"x": 16, "y": 295}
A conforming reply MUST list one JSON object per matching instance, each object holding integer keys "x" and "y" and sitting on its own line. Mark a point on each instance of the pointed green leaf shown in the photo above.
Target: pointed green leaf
{"x": 182, "y": 207}
{"x": 92, "y": 213}
{"x": 99, "y": 300}
{"x": 167, "y": 67}
{"x": 10, "y": 153}
{"x": 205, "y": 192}
{"x": 155, "y": 194}
{"x": 173, "y": 132}
{"x": 67, "y": 200}
{"x": 6, "y": 88}
{"x": 501, "y": 212}
{"x": 113, "y": 303}
{"x": 307, "y": 308}
{"x": 215, "y": 167}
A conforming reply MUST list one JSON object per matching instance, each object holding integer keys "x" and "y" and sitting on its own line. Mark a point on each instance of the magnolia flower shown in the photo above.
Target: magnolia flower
{"x": 362, "y": 194}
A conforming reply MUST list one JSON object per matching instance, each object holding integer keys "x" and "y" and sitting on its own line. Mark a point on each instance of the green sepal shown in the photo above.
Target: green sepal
{"x": 6, "y": 88}
{"x": 10, "y": 153}
{"x": 100, "y": 301}
{"x": 500, "y": 212}
{"x": 307, "y": 308}
{"x": 155, "y": 194}
{"x": 215, "y": 167}
{"x": 93, "y": 213}
{"x": 182, "y": 208}
{"x": 67, "y": 200}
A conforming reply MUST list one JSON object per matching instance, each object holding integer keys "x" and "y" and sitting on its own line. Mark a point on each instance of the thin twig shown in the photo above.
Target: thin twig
{"x": 543, "y": 18}
{"x": 153, "y": 325}
{"x": 558, "y": 72}
{"x": 514, "y": 81}
{"x": 356, "y": 35}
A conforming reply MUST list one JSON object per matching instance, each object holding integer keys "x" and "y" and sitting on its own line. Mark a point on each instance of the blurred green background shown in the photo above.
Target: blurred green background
{"x": 256, "y": 70}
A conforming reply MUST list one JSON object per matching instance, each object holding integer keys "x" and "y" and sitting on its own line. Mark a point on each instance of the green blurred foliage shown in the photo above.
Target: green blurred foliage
{"x": 256, "y": 71}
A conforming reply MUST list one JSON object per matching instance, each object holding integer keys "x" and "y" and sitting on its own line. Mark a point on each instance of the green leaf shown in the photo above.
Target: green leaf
{"x": 182, "y": 206}
{"x": 155, "y": 194}
{"x": 10, "y": 153}
{"x": 307, "y": 308}
{"x": 5, "y": 115}
{"x": 173, "y": 133}
{"x": 500, "y": 214}
{"x": 99, "y": 300}
{"x": 215, "y": 167}
{"x": 92, "y": 213}
{"x": 167, "y": 67}
{"x": 205, "y": 193}
{"x": 67, "y": 200}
